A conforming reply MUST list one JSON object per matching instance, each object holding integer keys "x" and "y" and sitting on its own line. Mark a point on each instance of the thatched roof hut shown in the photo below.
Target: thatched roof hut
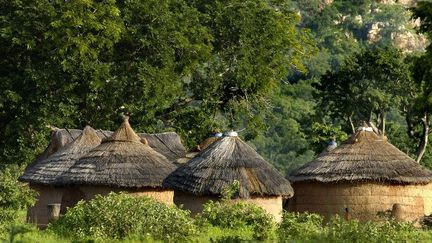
{"x": 46, "y": 171}
{"x": 366, "y": 174}
{"x": 216, "y": 167}
{"x": 121, "y": 160}
{"x": 43, "y": 173}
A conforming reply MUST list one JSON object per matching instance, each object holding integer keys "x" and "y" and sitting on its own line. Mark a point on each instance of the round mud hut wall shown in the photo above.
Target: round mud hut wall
{"x": 160, "y": 194}
{"x": 39, "y": 213}
{"x": 364, "y": 201}
{"x": 271, "y": 204}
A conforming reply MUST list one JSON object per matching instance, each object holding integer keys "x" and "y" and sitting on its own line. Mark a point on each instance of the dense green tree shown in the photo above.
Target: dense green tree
{"x": 39, "y": 41}
{"x": 70, "y": 61}
{"x": 285, "y": 142}
{"x": 366, "y": 87}
{"x": 172, "y": 64}
{"x": 255, "y": 45}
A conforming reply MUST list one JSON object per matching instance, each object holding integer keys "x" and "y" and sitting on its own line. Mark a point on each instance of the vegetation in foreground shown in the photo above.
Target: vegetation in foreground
{"x": 125, "y": 218}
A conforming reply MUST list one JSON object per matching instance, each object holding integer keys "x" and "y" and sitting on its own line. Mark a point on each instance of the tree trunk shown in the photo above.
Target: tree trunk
{"x": 410, "y": 125}
{"x": 425, "y": 137}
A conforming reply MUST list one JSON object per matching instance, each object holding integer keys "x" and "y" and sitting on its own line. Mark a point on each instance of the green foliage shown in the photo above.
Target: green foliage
{"x": 247, "y": 62}
{"x": 229, "y": 191}
{"x": 14, "y": 196}
{"x": 297, "y": 227}
{"x": 29, "y": 233}
{"x": 369, "y": 83}
{"x": 354, "y": 231}
{"x": 117, "y": 216}
{"x": 285, "y": 142}
{"x": 239, "y": 215}
{"x": 305, "y": 226}
{"x": 322, "y": 134}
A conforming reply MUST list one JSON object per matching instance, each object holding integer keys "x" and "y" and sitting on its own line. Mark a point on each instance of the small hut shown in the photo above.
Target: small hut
{"x": 364, "y": 176}
{"x": 122, "y": 162}
{"x": 228, "y": 159}
{"x": 43, "y": 173}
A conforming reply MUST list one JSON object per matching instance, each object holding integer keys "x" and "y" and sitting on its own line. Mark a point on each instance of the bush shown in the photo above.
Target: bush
{"x": 117, "y": 216}
{"x": 305, "y": 227}
{"x": 14, "y": 196}
{"x": 239, "y": 215}
{"x": 340, "y": 230}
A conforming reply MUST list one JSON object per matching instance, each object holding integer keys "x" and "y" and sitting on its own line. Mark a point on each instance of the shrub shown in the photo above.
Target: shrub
{"x": 340, "y": 230}
{"x": 118, "y": 216}
{"x": 239, "y": 215}
{"x": 14, "y": 196}
{"x": 305, "y": 227}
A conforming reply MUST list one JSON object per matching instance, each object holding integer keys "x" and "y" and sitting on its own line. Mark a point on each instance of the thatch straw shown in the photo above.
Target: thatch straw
{"x": 121, "y": 160}
{"x": 366, "y": 156}
{"x": 168, "y": 143}
{"x": 48, "y": 170}
{"x": 224, "y": 161}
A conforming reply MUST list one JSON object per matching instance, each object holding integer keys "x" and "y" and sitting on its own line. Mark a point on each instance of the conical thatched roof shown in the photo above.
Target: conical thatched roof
{"x": 224, "y": 161}
{"x": 366, "y": 156}
{"x": 48, "y": 170}
{"x": 121, "y": 160}
{"x": 167, "y": 143}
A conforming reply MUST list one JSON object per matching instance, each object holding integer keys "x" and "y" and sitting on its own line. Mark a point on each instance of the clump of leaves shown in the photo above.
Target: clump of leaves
{"x": 119, "y": 215}
{"x": 14, "y": 196}
{"x": 339, "y": 230}
{"x": 305, "y": 226}
{"x": 236, "y": 214}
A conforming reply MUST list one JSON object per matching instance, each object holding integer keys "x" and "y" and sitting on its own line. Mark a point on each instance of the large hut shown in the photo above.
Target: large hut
{"x": 122, "y": 162}
{"x": 44, "y": 172}
{"x": 205, "y": 177}
{"x": 361, "y": 179}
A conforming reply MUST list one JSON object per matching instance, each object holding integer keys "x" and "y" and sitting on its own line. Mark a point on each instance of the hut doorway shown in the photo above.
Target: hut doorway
{"x": 70, "y": 198}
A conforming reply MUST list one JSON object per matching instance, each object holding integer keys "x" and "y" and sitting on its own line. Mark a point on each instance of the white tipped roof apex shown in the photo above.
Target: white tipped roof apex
{"x": 231, "y": 134}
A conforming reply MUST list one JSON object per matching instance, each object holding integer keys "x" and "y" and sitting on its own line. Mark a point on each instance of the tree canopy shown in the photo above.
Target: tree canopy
{"x": 174, "y": 65}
